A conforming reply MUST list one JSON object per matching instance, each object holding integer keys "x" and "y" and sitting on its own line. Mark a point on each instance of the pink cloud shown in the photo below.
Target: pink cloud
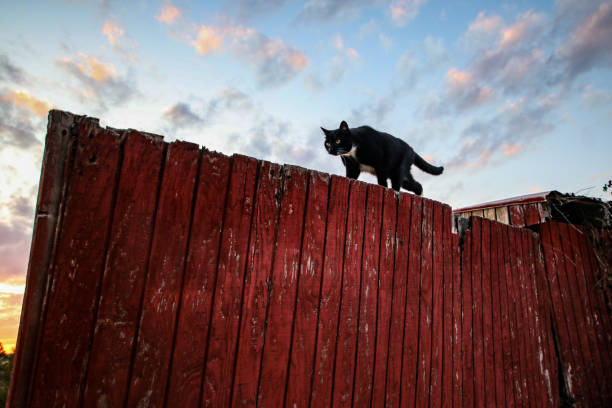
{"x": 403, "y": 11}
{"x": 486, "y": 24}
{"x": 24, "y": 100}
{"x": 113, "y": 32}
{"x": 208, "y": 40}
{"x": 511, "y": 149}
{"x": 168, "y": 14}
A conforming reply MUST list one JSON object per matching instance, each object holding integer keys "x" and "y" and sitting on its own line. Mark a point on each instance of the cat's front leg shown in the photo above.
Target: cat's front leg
{"x": 352, "y": 167}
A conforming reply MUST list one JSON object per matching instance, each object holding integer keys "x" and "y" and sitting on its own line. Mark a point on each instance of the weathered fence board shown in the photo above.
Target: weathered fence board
{"x": 167, "y": 275}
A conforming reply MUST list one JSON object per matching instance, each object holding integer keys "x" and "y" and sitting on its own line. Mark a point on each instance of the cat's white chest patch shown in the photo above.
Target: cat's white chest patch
{"x": 367, "y": 169}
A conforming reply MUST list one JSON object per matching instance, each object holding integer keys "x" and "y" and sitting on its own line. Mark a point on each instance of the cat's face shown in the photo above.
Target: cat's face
{"x": 338, "y": 141}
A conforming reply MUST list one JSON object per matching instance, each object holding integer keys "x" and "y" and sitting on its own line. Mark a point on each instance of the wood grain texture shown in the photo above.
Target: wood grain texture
{"x": 199, "y": 283}
{"x": 385, "y": 296}
{"x": 398, "y": 306}
{"x": 425, "y": 306}
{"x": 55, "y": 173}
{"x": 301, "y": 367}
{"x": 349, "y": 308}
{"x": 124, "y": 271}
{"x": 477, "y": 313}
{"x": 467, "y": 346}
{"x": 257, "y": 281}
{"x": 284, "y": 283}
{"x": 437, "y": 333}
{"x": 221, "y": 349}
{"x": 457, "y": 276}
{"x": 165, "y": 276}
{"x": 331, "y": 287}
{"x": 77, "y": 268}
{"x": 410, "y": 353}
{"x": 516, "y": 215}
{"x": 487, "y": 316}
{"x": 368, "y": 298}
{"x": 448, "y": 338}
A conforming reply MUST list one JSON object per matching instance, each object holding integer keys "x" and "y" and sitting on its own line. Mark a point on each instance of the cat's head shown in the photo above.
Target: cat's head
{"x": 338, "y": 141}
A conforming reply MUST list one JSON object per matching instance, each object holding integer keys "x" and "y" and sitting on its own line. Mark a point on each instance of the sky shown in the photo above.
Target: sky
{"x": 511, "y": 97}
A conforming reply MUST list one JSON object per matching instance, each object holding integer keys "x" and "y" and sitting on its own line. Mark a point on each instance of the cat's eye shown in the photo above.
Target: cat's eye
{"x": 327, "y": 144}
{"x": 337, "y": 141}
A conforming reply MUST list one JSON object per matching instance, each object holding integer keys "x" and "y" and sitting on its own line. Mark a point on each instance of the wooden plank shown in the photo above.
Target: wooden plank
{"x": 502, "y": 320}
{"x": 513, "y": 339}
{"x": 385, "y": 296}
{"x": 522, "y": 328}
{"x": 77, "y": 268}
{"x": 478, "y": 213}
{"x": 283, "y": 292}
{"x": 537, "y": 380}
{"x": 447, "y": 301}
{"x": 255, "y": 299}
{"x": 593, "y": 385}
{"x": 410, "y": 352}
{"x": 366, "y": 335}
{"x": 532, "y": 215}
{"x": 489, "y": 213}
{"x": 307, "y": 309}
{"x": 344, "y": 367}
{"x": 501, "y": 215}
{"x": 598, "y": 309}
{"x": 199, "y": 281}
{"x": 437, "y": 333}
{"x": 477, "y": 311}
{"x": 329, "y": 304}
{"x": 487, "y": 317}
{"x": 398, "y": 307}
{"x": 425, "y": 306}
{"x": 153, "y": 345}
{"x": 595, "y": 281}
{"x": 124, "y": 270}
{"x": 560, "y": 324}
{"x": 529, "y": 334}
{"x": 497, "y": 317}
{"x": 57, "y": 158}
{"x": 517, "y": 217}
{"x": 457, "y": 276}
{"x": 466, "y": 322}
{"x": 550, "y": 363}
{"x": 225, "y": 320}
{"x": 582, "y": 387}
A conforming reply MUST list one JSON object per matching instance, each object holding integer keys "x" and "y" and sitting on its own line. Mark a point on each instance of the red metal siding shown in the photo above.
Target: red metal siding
{"x": 174, "y": 276}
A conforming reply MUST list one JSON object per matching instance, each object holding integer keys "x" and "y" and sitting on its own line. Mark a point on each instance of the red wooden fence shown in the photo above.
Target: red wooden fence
{"x": 168, "y": 275}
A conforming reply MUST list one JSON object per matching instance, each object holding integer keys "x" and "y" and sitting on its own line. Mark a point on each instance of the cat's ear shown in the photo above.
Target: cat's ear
{"x": 325, "y": 131}
{"x": 344, "y": 126}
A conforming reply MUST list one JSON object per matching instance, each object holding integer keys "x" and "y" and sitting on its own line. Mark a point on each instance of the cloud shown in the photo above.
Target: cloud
{"x": 204, "y": 113}
{"x": 589, "y": 43}
{"x": 275, "y": 62}
{"x": 249, "y": 8}
{"x": 325, "y": 10}
{"x": 595, "y": 98}
{"x": 465, "y": 91}
{"x": 17, "y": 125}
{"x": 24, "y": 100}
{"x": 168, "y": 14}
{"x": 485, "y": 25}
{"x": 208, "y": 40}
{"x": 98, "y": 81}
{"x": 113, "y": 32}
{"x": 518, "y": 124}
{"x": 181, "y": 115}
{"x": 404, "y": 11}
{"x": 10, "y": 72}
{"x": 436, "y": 51}
{"x": 343, "y": 60}
{"x": 124, "y": 47}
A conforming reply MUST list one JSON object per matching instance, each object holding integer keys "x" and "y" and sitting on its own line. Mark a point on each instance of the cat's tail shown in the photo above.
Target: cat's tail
{"x": 426, "y": 167}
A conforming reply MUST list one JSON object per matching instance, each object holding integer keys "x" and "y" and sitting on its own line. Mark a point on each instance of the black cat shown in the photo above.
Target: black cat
{"x": 377, "y": 153}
